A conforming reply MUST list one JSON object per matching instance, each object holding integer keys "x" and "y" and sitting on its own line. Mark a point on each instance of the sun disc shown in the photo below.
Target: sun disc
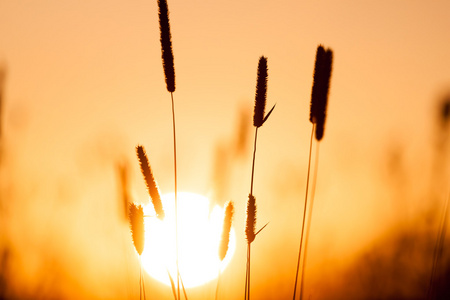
{"x": 199, "y": 233}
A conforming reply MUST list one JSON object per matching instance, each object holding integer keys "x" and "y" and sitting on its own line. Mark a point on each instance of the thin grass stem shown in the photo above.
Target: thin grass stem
{"x": 176, "y": 193}
{"x": 248, "y": 286}
{"x": 140, "y": 278}
{"x": 246, "y": 274}
{"x": 308, "y": 225}
{"x": 253, "y": 164}
{"x": 304, "y": 212}
{"x": 217, "y": 287}
{"x": 172, "y": 285}
{"x": 184, "y": 290}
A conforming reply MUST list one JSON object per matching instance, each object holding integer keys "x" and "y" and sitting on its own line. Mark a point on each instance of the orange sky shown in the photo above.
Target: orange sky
{"x": 85, "y": 85}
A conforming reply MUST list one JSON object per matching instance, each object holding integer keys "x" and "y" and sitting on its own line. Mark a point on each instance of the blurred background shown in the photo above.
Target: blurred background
{"x": 81, "y": 84}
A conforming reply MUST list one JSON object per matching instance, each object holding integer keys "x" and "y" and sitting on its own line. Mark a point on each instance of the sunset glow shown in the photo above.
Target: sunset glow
{"x": 84, "y": 84}
{"x": 199, "y": 236}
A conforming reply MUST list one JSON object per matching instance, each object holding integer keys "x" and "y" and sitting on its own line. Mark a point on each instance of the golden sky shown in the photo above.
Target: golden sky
{"x": 85, "y": 85}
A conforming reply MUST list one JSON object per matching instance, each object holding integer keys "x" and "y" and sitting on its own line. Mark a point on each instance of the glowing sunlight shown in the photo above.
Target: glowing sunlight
{"x": 199, "y": 232}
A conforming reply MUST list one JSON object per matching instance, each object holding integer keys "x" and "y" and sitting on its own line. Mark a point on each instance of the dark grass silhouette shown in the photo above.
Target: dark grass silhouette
{"x": 166, "y": 45}
{"x": 258, "y": 120}
{"x": 169, "y": 75}
{"x": 317, "y": 116}
{"x": 150, "y": 182}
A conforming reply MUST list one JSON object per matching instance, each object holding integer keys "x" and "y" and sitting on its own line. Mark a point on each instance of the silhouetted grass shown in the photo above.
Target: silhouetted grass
{"x": 166, "y": 45}
{"x": 258, "y": 120}
{"x": 317, "y": 116}
{"x": 150, "y": 182}
{"x": 169, "y": 75}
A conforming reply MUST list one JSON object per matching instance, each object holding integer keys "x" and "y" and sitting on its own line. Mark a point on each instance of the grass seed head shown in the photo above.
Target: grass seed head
{"x": 316, "y": 88}
{"x": 261, "y": 93}
{"x": 136, "y": 215}
{"x": 250, "y": 225}
{"x": 152, "y": 188}
{"x": 320, "y": 89}
{"x": 225, "y": 240}
{"x": 166, "y": 45}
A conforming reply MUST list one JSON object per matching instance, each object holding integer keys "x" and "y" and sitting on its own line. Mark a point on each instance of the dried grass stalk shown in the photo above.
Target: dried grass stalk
{"x": 166, "y": 45}
{"x": 223, "y": 248}
{"x": 136, "y": 215}
{"x": 152, "y": 188}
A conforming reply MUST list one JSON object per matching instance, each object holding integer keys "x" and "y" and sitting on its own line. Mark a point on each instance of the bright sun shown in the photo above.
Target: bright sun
{"x": 199, "y": 233}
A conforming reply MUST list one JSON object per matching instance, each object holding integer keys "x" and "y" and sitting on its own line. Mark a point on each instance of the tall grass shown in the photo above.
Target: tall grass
{"x": 317, "y": 116}
{"x": 169, "y": 75}
{"x": 259, "y": 118}
{"x": 150, "y": 182}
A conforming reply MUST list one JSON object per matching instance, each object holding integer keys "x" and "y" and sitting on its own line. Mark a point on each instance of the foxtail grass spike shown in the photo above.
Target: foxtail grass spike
{"x": 320, "y": 89}
{"x": 166, "y": 45}
{"x": 250, "y": 226}
{"x": 261, "y": 93}
{"x": 317, "y": 84}
{"x": 136, "y": 216}
{"x": 323, "y": 100}
{"x": 228, "y": 219}
{"x": 150, "y": 182}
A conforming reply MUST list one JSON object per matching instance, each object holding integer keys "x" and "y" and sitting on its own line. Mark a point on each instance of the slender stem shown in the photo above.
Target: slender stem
{"x": 253, "y": 164}
{"x": 308, "y": 226}
{"x": 304, "y": 211}
{"x": 176, "y": 202}
{"x": 217, "y": 287}
{"x": 246, "y": 274}
{"x": 247, "y": 271}
{"x": 184, "y": 290}
{"x": 248, "y": 287}
{"x": 140, "y": 278}
{"x": 143, "y": 285}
